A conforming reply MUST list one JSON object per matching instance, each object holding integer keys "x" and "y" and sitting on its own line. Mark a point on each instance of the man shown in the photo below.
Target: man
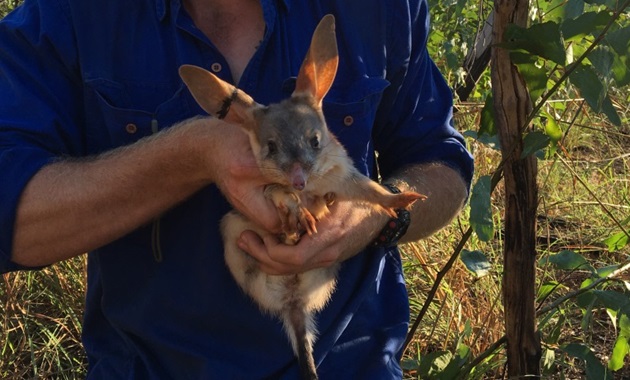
{"x": 100, "y": 153}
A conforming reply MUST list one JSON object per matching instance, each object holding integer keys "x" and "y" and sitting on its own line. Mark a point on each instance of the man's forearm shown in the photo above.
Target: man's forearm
{"x": 446, "y": 192}
{"x": 73, "y": 206}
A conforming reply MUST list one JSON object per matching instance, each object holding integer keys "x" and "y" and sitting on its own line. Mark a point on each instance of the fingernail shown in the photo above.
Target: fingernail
{"x": 241, "y": 243}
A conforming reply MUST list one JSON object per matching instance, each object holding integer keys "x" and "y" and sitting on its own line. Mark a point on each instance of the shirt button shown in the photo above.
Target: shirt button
{"x": 348, "y": 121}
{"x": 131, "y": 128}
{"x": 216, "y": 67}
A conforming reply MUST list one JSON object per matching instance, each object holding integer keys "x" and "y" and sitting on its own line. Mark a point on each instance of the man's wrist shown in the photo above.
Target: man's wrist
{"x": 395, "y": 228}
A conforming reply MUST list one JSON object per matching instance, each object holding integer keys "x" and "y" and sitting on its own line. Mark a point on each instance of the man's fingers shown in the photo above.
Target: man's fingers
{"x": 273, "y": 257}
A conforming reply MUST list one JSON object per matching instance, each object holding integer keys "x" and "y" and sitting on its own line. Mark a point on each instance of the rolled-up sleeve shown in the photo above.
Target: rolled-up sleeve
{"x": 414, "y": 122}
{"x": 40, "y": 104}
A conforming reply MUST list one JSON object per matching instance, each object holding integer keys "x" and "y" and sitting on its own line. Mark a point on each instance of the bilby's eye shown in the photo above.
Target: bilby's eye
{"x": 314, "y": 142}
{"x": 272, "y": 147}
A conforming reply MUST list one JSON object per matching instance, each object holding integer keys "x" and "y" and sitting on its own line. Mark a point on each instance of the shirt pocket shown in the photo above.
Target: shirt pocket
{"x": 119, "y": 115}
{"x": 350, "y": 113}
{"x": 350, "y": 109}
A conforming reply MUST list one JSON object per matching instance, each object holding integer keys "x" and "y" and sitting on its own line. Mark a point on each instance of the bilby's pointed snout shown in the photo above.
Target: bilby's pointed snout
{"x": 297, "y": 177}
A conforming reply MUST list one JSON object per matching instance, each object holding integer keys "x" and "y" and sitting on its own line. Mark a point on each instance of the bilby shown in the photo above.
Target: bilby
{"x": 307, "y": 169}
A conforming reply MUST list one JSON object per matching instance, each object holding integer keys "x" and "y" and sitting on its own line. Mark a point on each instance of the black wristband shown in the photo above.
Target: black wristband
{"x": 395, "y": 227}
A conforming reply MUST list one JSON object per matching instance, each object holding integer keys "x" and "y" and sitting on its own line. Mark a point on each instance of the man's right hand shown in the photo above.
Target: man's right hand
{"x": 74, "y": 206}
{"x": 235, "y": 172}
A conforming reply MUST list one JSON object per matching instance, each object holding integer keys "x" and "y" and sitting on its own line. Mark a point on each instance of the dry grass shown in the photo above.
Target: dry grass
{"x": 41, "y": 317}
{"x": 469, "y": 310}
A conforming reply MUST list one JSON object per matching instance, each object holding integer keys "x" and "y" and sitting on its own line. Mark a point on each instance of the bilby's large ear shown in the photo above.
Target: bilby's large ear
{"x": 320, "y": 65}
{"x": 217, "y": 97}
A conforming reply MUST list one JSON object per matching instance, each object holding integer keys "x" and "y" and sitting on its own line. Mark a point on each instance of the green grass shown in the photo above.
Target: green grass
{"x": 572, "y": 216}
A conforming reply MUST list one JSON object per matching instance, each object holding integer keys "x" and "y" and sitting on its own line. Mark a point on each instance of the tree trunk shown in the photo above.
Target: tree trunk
{"x": 512, "y": 105}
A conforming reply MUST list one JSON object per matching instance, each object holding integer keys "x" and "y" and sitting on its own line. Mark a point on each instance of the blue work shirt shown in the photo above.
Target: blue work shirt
{"x": 80, "y": 77}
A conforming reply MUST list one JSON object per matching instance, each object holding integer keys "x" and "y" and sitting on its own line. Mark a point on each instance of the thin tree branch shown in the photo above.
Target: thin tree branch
{"x": 583, "y": 290}
{"x": 436, "y": 284}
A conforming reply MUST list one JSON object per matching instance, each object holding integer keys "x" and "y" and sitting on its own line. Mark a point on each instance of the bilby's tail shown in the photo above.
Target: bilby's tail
{"x": 300, "y": 327}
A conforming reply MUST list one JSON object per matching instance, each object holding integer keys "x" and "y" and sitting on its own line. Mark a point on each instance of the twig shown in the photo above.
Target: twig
{"x": 436, "y": 284}
{"x": 585, "y": 289}
{"x": 600, "y": 203}
{"x": 611, "y": 159}
{"x": 481, "y": 357}
{"x": 592, "y": 193}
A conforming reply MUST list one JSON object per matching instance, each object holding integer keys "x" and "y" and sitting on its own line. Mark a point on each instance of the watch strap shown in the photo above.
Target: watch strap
{"x": 395, "y": 227}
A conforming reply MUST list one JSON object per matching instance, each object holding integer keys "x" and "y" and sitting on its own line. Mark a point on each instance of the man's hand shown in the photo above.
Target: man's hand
{"x": 351, "y": 226}
{"x": 237, "y": 175}
{"x": 73, "y": 206}
{"x": 342, "y": 234}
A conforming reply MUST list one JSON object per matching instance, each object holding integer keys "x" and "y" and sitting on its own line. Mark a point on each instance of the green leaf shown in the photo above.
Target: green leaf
{"x": 556, "y": 332}
{"x": 595, "y": 370}
{"x": 481, "y": 209}
{"x": 567, "y": 260}
{"x": 546, "y": 289}
{"x": 619, "y": 352}
{"x": 487, "y": 126}
{"x": 573, "y": 9}
{"x": 622, "y": 345}
{"x": 613, "y": 300}
{"x": 621, "y": 69}
{"x": 619, "y": 40}
{"x": 586, "y": 300}
{"x": 460, "y": 7}
{"x": 617, "y": 241}
{"x": 433, "y": 363}
{"x": 624, "y": 325}
{"x": 542, "y": 39}
{"x": 552, "y": 9}
{"x": 603, "y": 58}
{"x": 552, "y": 129}
{"x": 584, "y": 25}
{"x": 454, "y": 367}
{"x": 593, "y": 91}
{"x": 610, "y": 65}
{"x": 476, "y": 262}
{"x": 533, "y": 142}
{"x": 535, "y": 76}
{"x": 610, "y": 4}
{"x": 605, "y": 271}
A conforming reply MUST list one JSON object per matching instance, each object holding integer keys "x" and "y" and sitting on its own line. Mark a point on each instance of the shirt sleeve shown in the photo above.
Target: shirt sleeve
{"x": 414, "y": 121}
{"x": 40, "y": 103}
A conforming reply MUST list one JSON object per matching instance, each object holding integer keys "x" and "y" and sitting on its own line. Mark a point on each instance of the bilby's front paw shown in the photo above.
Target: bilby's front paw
{"x": 307, "y": 220}
{"x": 330, "y": 198}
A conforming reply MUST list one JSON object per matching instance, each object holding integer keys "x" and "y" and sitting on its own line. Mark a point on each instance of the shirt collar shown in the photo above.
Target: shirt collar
{"x": 161, "y": 7}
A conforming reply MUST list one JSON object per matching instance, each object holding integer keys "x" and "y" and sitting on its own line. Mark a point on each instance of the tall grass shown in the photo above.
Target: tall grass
{"x": 40, "y": 318}
{"x": 468, "y": 309}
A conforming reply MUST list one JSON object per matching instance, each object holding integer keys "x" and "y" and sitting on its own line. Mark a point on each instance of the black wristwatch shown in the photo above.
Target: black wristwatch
{"x": 395, "y": 227}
